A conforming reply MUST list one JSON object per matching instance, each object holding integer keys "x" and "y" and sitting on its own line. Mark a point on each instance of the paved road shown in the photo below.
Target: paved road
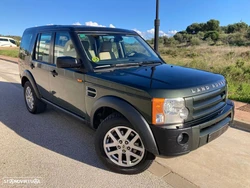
{"x": 53, "y": 147}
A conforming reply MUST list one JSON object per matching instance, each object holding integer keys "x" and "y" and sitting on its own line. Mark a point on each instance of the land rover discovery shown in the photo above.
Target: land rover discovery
{"x": 117, "y": 84}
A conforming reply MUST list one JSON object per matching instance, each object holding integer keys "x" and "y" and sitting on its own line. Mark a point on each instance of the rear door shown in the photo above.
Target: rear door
{"x": 42, "y": 62}
{"x": 67, "y": 85}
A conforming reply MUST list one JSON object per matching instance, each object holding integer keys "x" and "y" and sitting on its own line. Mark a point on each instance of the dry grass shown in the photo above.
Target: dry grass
{"x": 232, "y": 62}
{"x": 211, "y": 55}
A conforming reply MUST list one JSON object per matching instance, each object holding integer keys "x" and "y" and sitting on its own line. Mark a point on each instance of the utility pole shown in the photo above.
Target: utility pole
{"x": 157, "y": 25}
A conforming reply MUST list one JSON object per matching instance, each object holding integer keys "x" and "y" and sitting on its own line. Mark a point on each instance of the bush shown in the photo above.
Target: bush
{"x": 195, "y": 41}
{"x": 214, "y": 35}
{"x": 170, "y": 42}
{"x": 236, "y": 39}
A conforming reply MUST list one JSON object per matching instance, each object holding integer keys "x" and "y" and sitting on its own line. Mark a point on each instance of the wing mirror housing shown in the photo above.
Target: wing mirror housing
{"x": 68, "y": 62}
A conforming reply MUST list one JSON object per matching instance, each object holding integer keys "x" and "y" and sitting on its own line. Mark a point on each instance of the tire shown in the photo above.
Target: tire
{"x": 127, "y": 146}
{"x": 33, "y": 104}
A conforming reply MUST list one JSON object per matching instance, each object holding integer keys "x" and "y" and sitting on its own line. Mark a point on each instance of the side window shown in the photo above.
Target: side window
{"x": 4, "y": 39}
{"x": 64, "y": 46}
{"x": 26, "y": 41}
{"x": 43, "y": 47}
{"x": 12, "y": 41}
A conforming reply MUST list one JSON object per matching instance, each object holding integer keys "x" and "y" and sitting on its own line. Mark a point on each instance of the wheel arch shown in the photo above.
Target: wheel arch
{"x": 131, "y": 114}
{"x": 27, "y": 76}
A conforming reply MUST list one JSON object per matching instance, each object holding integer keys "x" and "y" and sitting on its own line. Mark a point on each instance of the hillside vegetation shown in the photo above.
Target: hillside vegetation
{"x": 210, "y": 33}
{"x": 211, "y": 47}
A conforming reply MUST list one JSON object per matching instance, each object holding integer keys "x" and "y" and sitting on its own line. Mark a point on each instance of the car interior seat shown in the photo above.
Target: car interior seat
{"x": 69, "y": 49}
{"x": 106, "y": 51}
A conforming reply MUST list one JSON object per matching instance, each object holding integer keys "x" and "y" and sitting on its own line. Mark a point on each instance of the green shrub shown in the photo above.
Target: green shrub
{"x": 195, "y": 41}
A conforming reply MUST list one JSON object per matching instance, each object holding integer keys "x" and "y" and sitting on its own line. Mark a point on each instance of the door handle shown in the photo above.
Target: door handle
{"x": 54, "y": 73}
{"x": 32, "y": 66}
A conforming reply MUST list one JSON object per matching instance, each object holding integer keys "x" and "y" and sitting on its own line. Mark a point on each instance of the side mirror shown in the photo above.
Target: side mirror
{"x": 68, "y": 62}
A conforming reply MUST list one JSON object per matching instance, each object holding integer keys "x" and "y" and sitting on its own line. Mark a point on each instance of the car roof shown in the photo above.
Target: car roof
{"x": 79, "y": 28}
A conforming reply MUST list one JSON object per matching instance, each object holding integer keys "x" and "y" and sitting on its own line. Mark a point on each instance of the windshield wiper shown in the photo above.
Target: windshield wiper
{"x": 117, "y": 65}
{"x": 136, "y": 64}
{"x": 149, "y": 63}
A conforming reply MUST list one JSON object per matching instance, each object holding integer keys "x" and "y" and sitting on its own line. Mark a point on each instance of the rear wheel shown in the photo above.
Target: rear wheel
{"x": 33, "y": 104}
{"x": 120, "y": 147}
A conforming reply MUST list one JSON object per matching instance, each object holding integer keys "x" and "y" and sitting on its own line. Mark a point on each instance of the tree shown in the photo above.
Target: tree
{"x": 237, "y": 27}
{"x": 248, "y": 34}
{"x": 213, "y": 25}
{"x": 203, "y": 26}
{"x": 214, "y": 35}
{"x": 179, "y": 37}
{"x": 193, "y": 28}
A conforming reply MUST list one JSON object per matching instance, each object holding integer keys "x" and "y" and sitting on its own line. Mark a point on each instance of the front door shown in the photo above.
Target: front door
{"x": 67, "y": 85}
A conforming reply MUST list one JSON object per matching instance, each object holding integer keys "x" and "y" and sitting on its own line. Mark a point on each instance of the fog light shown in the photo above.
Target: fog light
{"x": 182, "y": 138}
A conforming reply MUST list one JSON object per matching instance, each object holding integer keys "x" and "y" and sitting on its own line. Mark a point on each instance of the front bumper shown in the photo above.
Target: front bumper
{"x": 194, "y": 136}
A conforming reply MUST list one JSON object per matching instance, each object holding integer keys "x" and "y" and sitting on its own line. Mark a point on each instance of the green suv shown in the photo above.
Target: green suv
{"x": 114, "y": 82}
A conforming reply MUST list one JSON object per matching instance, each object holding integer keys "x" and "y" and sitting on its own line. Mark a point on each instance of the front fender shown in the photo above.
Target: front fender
{"x": 132, "y": 115}
{"x": 26, "y": 75}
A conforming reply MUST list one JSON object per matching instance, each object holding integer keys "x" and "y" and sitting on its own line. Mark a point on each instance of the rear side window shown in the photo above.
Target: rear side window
{"x": 43, "y": 47}
{"x": 26, "y": 41}
{"x": 12, "y": 41}
{"x": 1, "y": 39}
{"x": 64, "y": 46}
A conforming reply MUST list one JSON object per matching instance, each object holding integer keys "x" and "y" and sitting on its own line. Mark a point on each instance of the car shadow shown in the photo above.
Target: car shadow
{"x": 53, "y": 129}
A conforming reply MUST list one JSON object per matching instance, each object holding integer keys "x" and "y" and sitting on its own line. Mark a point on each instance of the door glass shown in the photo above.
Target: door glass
{"x": 63, "y": 46}
{"x": 43, "y": 47}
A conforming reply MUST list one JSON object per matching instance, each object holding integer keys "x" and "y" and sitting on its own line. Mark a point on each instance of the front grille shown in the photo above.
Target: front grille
{"x": 207, "y": 104}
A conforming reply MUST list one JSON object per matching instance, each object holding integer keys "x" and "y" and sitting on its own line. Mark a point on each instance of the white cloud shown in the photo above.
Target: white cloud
{"x": 139, "y": 32}
{"x": 90, "y": 23}
{"x": 172, "y": 32}
{"x": 49, "y": 24}
{"x": 150, "y": 33}
{"x": 95, "y": 24}
{"x": 77, "y": 23}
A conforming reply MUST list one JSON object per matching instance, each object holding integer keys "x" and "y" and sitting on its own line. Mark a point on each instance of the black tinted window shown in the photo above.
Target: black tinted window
{"x": 3, "y": 39}
{"x": 43, "y": 47}
{"x": 64, "y": 46}
{"x": 26, "y": 42}
{"x": 12, "y": 41}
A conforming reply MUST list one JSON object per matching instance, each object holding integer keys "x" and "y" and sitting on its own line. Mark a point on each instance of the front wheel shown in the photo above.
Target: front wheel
{"x": 120, "y": 147}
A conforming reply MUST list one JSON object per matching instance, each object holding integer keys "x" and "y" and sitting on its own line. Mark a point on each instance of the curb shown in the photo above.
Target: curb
{"x": 241, "y": 125}
{"x": 169, "y": 176}
{"x": 11, "y": 61}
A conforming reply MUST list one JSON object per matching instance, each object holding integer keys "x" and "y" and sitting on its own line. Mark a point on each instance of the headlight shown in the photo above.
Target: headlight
{"x": 166, "y": 111}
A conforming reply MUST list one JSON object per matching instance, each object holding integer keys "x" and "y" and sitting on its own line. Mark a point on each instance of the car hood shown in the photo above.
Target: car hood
{"x": 161, "y": 77}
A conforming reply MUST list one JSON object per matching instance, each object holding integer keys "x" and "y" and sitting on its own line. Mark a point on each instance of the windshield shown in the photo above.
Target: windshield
{"x": 116, "y": 49}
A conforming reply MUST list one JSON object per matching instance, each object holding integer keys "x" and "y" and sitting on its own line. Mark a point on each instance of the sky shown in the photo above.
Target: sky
{"x": 138, "y": 15}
